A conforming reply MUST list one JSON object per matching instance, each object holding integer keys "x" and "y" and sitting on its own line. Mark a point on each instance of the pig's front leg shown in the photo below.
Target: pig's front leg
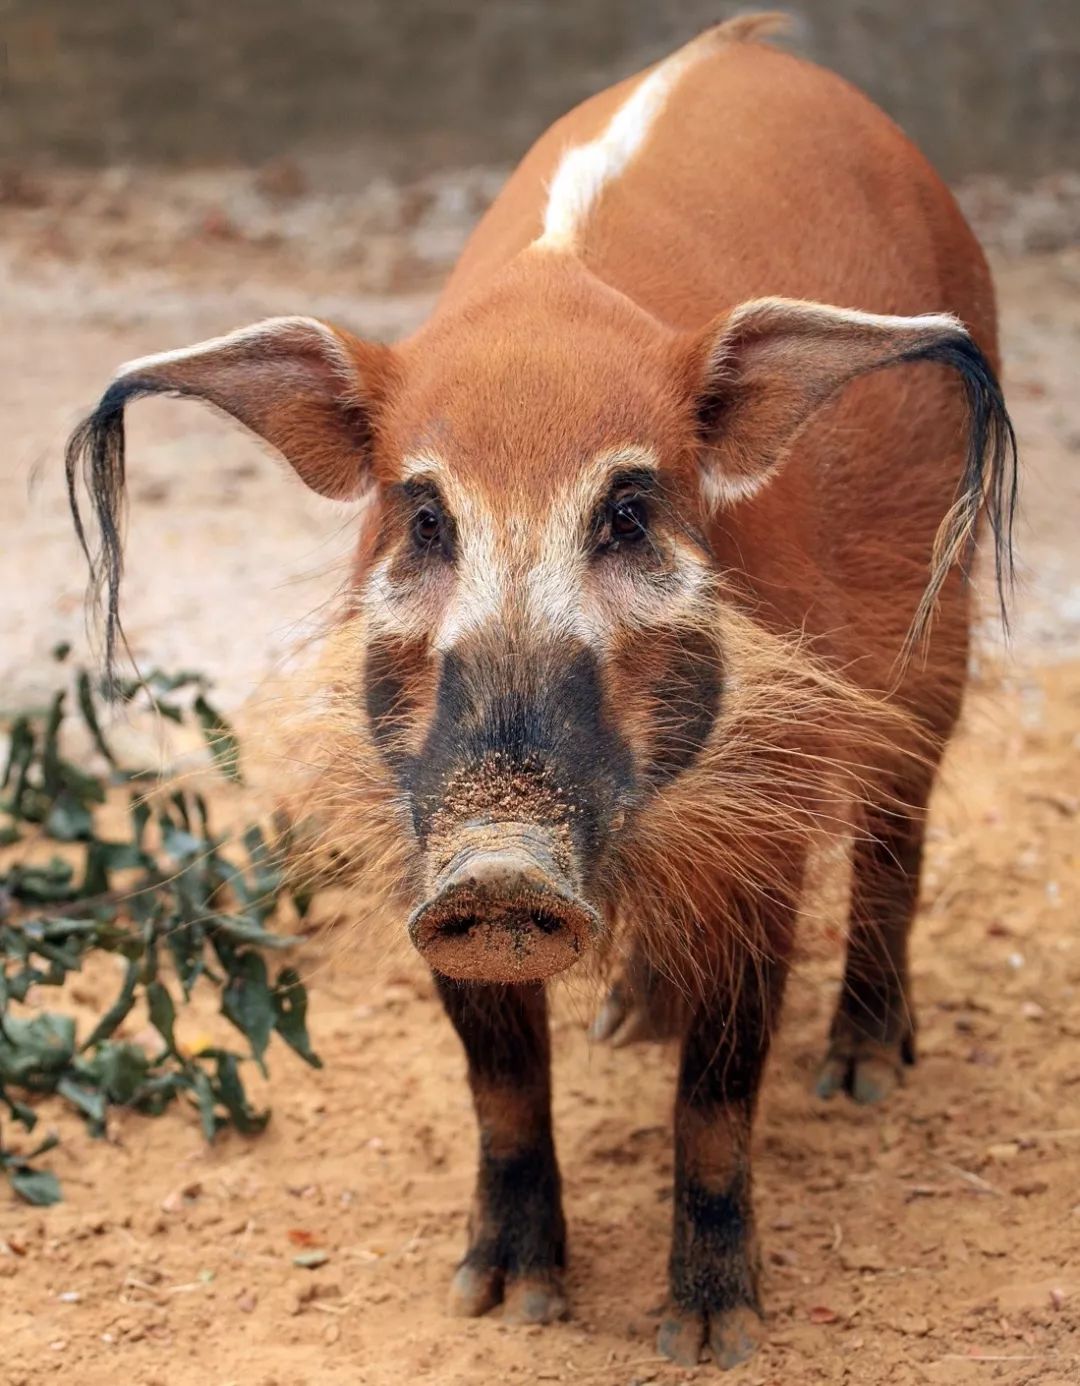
{"x": 713, "y": 1271}
{"x": 517, "y": 1237}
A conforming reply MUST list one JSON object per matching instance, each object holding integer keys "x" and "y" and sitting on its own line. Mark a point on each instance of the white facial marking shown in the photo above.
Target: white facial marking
{"x": 512, "y": 573}
{"x": 389, "y": 615}
{"x": 629, "y": 456}
{"x": 422, "y": 464}
{"x": 483, "y": 577}
{"x": 555, "y": 582}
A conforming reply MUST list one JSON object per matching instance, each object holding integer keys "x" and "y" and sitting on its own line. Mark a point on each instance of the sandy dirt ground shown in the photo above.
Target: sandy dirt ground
{"x": 934, "y": 1241}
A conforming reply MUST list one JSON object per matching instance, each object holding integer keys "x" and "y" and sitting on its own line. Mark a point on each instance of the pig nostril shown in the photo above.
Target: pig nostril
{"x": 458, "y": 925}
{"x": 455, "y": 928}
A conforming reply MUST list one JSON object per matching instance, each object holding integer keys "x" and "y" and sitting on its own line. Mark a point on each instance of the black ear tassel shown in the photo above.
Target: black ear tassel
{"x": 94, "y": 462}
{"x": 991, "y": 470}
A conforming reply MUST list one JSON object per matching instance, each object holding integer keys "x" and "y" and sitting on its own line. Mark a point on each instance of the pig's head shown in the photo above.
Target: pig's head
{"x": 536, "y": 590}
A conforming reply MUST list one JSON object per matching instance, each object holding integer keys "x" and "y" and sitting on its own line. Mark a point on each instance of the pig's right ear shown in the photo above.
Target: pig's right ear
{"x": 307, "y": 389}
{"x": 304, "y": 387}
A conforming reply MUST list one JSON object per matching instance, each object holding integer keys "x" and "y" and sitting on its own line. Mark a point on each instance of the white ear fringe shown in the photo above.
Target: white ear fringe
{"x": 267, "y": 333}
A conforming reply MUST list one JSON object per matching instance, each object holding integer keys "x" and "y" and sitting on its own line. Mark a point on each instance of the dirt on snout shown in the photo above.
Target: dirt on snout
{"x": 935, "y": 1240}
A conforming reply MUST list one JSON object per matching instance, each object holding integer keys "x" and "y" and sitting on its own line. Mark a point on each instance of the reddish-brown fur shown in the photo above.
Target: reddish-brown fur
{"x": 812, "y": 511}
{"x": 813, "y": 196}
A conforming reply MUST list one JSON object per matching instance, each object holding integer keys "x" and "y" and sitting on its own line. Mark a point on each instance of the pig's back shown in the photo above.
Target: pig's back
{"x": 767, "y": 175}
{"x": 762, "y": 174}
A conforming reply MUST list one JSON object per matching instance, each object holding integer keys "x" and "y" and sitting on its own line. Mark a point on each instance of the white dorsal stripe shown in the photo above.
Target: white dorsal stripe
{"x": 586, "y": 169}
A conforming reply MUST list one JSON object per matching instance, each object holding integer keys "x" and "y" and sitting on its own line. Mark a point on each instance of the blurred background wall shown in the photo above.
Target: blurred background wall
{"x": 401, "y": 87}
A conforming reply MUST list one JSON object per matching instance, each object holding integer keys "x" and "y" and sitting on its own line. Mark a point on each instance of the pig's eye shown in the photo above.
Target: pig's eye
{"x": 427, "y": 527}
{"x": 628, "y": 519}
{"x": 623, "y": 518}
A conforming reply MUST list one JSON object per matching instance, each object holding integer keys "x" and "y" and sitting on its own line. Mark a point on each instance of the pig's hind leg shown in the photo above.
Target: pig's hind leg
{"x": 517, "y": 1238}
{"x": 643, "y": 1004}
{"x": 872, "y": 1037}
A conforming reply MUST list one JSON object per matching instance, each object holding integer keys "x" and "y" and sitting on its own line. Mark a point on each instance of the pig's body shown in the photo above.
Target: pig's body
{"x": 765, "y": 175}
{"x": 649, "y": 529}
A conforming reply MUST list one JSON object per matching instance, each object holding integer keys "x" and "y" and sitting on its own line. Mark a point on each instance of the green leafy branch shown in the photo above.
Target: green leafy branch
{"x": 191, "y": 900}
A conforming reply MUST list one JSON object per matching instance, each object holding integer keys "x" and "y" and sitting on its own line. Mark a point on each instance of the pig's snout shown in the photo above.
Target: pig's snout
{"x": 503, "y": 911}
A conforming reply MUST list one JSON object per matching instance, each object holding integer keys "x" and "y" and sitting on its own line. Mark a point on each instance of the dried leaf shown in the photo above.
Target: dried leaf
{"x": 300, "y": 1236}
{"x": 821, "y": 1313}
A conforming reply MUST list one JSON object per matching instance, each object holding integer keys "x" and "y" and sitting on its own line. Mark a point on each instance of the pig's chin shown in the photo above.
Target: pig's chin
{"x": 503, "y": 909}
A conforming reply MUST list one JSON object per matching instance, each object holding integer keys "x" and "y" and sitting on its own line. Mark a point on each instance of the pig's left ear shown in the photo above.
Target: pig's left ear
{"x": 758, "y": 375}
{"x": 307, "y": 389}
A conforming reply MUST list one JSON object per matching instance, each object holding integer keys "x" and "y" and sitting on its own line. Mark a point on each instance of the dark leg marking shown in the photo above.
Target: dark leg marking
{"x": 872, "y": 1036}
{"x": 714, "y": 1266}
{"x": 517, "y": 1237}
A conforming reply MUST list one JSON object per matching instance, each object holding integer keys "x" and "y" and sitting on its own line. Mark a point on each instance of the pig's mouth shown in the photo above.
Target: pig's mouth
{"x": 503, "y": 910}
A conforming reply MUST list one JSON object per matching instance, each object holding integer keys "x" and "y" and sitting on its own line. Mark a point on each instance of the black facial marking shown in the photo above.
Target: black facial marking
{"x": 389, "y": 669}
{"x": 687, "y": 701}
{"x": 535, "y": 714}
